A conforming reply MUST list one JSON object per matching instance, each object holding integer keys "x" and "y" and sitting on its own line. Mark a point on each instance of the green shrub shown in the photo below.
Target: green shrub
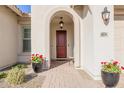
{"x": 15, "y": 76}
{"x": 21, "y": 66}
{"x": 3, "y": 75}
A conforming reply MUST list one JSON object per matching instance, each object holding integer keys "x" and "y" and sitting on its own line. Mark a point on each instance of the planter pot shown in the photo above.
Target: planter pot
{"x": 110, "y": 79}
{"x": 37, "y": 67}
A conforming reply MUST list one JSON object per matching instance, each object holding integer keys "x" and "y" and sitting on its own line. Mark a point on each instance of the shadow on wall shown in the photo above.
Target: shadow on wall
{"x": 82, "y": 10}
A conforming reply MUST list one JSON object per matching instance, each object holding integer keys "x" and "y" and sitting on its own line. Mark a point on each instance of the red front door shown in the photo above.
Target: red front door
{"x": 61, "y": 49}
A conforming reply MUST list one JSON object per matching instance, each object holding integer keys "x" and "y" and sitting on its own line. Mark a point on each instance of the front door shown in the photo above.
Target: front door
{"x": 61, "y": 49}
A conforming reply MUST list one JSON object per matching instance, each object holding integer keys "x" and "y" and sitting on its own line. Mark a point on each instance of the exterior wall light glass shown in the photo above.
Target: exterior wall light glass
{"x": 61, "y": 23}
{"x": 106, "y": 16}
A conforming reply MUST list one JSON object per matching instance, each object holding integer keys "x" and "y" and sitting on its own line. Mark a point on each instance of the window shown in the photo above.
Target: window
{"x": 26, "y": 40}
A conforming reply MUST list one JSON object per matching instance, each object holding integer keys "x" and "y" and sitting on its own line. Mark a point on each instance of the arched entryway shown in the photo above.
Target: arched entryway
{"x": 74, "y": 50}
{"x": 61, "y": 37}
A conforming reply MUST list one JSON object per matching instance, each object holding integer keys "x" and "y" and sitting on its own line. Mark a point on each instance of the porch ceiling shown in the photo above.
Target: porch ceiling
{"x": 66, "y": 17}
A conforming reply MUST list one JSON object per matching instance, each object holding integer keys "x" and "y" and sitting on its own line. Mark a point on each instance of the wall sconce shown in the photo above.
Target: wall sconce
{"x": 61, "y": 23}
{"x": 106, "y": 16}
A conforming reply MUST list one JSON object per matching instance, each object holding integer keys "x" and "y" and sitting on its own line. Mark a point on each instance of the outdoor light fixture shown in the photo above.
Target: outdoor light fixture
{"x": 106, "y": 16}
{"x": 61, "y": 23}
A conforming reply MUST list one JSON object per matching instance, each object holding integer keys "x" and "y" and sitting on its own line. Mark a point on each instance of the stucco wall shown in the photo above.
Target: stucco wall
{"x": 119, "y": 40}
{"x": 69, "y": 27}
{"x": 87, "y": 41}
{"x": 103, "y": 45}
{"x": 97, "y": 48}
{"x": 38, "y": 27}
{"x": 8, "y": 37}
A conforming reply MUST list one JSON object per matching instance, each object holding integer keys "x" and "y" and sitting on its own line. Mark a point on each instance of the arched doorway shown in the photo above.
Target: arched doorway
{"x": 76, "y": 33}
{"x": 61, "y": 37}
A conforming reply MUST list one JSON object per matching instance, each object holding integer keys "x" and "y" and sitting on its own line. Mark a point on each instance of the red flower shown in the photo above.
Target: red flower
{"x": 105, "y": 63}
{"x": 37, "y": 54}
{"x": 32, "y": 54}
{"x": 41, "y": 56}
{"x": 115, "y": 62}
{"x": 122, "y": 67}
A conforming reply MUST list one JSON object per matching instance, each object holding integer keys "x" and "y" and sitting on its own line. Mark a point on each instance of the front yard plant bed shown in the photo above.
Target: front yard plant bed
{"x": 3, "y": 75}
{"x": 21, "y": 66}
{"x": 31, "y": 80}
{"x": 15, "y": 76}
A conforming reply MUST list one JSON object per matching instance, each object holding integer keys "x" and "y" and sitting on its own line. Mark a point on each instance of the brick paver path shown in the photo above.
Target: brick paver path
{"x": 66, "y": 76}
{"x": 61, "y": 75}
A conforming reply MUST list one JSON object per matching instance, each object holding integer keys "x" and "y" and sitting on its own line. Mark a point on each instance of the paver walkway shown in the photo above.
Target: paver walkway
{"x": 66, "y": 76}
{"x": 62, "y": 75}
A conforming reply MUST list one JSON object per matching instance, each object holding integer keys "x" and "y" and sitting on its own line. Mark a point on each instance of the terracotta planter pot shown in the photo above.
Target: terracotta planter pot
{"x": 37, "y": 67}
{"x": 110, "y": 79}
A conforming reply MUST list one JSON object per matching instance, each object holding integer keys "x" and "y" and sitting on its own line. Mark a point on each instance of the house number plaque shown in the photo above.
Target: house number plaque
{"x": 104, "y": 34}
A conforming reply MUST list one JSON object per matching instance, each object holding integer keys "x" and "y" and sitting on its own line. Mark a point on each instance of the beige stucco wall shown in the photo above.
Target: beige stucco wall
{"x": 8, "y": 37}
{"x": 69, "y": 27}
{"x": 119, "y": 40}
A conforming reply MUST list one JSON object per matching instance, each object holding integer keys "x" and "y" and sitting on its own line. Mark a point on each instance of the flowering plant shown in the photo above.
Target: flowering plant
{"x": 37, "y": 58}
{"x": 112, "y": 67}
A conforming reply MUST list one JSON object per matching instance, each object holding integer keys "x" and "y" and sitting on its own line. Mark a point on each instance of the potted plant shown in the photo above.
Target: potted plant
{"x": 37, "y": 61}
{"x": 110, "y": 73}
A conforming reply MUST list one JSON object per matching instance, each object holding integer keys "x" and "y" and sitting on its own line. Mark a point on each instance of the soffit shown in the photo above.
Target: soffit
{"x": 119, "y": 10}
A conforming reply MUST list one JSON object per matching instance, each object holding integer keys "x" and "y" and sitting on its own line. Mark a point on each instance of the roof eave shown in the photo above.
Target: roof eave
{"x": 26, "y": 15}
{"x": 15, "y": 9}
